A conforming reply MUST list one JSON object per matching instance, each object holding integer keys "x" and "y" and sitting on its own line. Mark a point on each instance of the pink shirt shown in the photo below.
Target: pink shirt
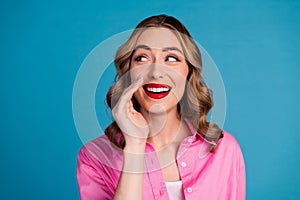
{"x": 204, "y": 175}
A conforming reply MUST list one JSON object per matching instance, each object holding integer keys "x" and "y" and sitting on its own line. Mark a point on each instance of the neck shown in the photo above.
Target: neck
{"x": 165, "y": 128}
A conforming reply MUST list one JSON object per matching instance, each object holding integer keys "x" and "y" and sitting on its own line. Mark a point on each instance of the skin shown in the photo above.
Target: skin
{"x": 158, "y": 58}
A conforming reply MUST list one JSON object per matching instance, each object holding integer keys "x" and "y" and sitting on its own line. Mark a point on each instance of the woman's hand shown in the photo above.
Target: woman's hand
{"x": 132, "y": 123}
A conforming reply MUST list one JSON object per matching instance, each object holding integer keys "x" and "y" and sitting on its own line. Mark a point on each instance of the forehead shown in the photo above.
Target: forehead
{"x": 158, "y": 38}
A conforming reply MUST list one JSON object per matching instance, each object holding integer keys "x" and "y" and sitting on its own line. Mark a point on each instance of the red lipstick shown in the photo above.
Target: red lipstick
{"x": 157, "y": 91}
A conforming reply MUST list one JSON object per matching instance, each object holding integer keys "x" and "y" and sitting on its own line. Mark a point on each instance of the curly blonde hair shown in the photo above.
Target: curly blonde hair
{"x": 197, "y": 99}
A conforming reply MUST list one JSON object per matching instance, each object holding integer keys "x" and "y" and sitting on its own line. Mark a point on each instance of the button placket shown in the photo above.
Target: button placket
{"x": 161, "y": 192}
{"x": 155, "y": 177}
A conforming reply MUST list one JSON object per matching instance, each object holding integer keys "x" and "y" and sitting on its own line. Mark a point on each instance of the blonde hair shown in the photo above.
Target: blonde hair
{"x": 197, "y": 99}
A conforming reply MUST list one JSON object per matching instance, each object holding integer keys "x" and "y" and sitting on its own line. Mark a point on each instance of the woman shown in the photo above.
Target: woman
{"x": 160, "y": 145}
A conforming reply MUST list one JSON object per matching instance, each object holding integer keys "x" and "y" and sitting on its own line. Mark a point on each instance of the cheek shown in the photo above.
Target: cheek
{"x": 135, "y": 71}
{"x": 181, "y": 80}
{"x": 185, "y": 70}
{"x": 139, "y": 95}
{"x": 179, "y": 91}
{"x": 133, "y": 74}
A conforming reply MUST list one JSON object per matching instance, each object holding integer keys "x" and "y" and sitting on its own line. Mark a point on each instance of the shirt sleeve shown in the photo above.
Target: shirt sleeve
{"x": 241, "y": 177}
{"x": 241, "y": 184}
{"x": 90, "y": 182}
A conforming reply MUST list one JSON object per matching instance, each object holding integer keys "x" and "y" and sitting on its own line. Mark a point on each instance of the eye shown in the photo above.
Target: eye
{"x": 141, "y": 59}
{"x": 172, "y": 59}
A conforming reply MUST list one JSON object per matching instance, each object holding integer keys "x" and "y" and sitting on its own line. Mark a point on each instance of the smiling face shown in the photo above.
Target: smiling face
{"x": 158, "y": 57}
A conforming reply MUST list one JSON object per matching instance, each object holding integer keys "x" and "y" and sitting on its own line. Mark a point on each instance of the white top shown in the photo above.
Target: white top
{"x": 175, "y": 190}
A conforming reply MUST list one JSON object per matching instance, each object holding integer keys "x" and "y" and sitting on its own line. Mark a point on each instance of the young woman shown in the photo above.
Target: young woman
{"x": 161, "y": 145}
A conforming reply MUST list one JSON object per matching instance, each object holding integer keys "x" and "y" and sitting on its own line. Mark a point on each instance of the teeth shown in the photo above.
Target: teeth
{"x": 157, "y": 89}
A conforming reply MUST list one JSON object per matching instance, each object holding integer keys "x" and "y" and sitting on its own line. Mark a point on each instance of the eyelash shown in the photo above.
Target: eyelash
{"x": 138, "y": 58}
{"x": 176, "y": 59}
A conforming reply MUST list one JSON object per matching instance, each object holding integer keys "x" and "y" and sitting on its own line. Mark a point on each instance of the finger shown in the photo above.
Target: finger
{"x": 128, "y": 92}
{"x": 130, "y": 107}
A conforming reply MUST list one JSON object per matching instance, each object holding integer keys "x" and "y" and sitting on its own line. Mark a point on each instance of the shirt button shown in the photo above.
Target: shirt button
{"x": 190, "y": 140}
{"x": 161, "y": 192}
{"x": 183, "y": 164}
{"x": 189, "y": 189}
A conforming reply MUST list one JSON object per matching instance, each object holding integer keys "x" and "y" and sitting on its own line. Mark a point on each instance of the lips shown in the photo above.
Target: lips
{"x": 157, "y": 91}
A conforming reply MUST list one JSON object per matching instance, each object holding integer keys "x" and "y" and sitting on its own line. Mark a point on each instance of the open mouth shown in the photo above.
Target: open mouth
{"x": 157, "y": 91}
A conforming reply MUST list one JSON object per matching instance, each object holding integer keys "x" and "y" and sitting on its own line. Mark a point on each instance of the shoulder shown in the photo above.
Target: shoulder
{"x": 89, "y": 150}
{"x": 229, "y": 139}
{"x": 229, "y": 147}
{"x": 100, "y": 151}
{"x": 98, "y": 144}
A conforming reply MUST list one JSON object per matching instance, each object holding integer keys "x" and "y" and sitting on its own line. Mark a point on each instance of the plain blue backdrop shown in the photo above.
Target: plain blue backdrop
{"x": 255, "y": 45}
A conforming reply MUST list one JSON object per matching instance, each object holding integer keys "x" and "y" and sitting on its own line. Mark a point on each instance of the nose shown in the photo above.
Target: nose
{"x": 155, "y": 71}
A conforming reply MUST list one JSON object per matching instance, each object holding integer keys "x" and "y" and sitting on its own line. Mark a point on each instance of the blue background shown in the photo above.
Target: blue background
{"x": 255, "y": 45}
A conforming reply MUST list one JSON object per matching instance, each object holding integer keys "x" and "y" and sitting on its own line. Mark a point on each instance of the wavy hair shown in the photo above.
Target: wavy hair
{"x": 197, "y": 99}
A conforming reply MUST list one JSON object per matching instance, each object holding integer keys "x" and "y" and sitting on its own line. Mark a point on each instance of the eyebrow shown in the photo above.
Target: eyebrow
{"x": 143, "y": 46}
{"x": 172, "y": 49}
